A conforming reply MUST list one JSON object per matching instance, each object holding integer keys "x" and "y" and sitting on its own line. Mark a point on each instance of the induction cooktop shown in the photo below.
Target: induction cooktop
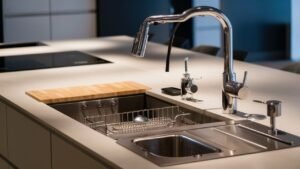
{"x": 47, "y": 60}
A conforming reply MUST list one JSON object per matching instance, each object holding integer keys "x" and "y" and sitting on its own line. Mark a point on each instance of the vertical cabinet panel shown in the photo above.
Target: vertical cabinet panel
{"x": 72, "y": 5}
{"x": 207, "y": 30}
{"x": 3, "y": 164}
{"x": 20, "y": 29}
{"x": 73, "y": 26}
{"x": 28, "y": 143}
{"x": 66, "y": 156}
{"x": 3, "y": 133}
{"x": 208, "y": 37}
{"x": 19, "y": 7}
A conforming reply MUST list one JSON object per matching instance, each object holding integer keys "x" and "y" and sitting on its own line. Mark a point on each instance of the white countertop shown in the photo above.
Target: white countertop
{"x": 264, "y": 84}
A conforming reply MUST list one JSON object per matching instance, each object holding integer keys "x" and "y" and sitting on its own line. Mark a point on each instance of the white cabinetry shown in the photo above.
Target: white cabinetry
{"x": 28, "y": 142}
{"x": 40, "y": 20}
{"x": 73, "y": 5}
{"x": 80, "y": 16}
{"x": 21, "y": 7}
{"x": 77, "y": 26}
{"x": 27, "y": 28}
{"x": 66, "y": 156}
{"x": 207, "y": 30}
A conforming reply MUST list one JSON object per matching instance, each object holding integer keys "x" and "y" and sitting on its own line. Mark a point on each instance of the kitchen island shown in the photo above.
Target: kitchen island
{"x": 51, "y": 139}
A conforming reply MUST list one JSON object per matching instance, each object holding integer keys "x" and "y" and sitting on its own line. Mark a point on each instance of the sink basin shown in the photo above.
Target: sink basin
{"x": 174, "y": 146}
{"x": 116, "y": 116}
{"x": 21, "y": 45}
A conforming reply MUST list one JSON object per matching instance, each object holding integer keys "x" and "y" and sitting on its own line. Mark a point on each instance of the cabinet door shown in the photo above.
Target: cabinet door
{"x": 3, "y": 131}
{"x": 21, "y": 7}
{"x": 20, "y": 29}
{"x": 66, "y": 156}
{"x": 3, "y": 164}
{"x": 72, "y": 5}
{"x": 207, "y": 30}
{"x": 77, "y": 26}
{"x": 28, "y": 142}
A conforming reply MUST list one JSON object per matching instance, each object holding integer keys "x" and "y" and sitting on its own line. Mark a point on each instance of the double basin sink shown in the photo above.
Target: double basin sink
{"x": 171, "y": 134}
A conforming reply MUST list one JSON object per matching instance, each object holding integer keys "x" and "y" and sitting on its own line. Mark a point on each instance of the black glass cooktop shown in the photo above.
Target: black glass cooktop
{"x": 47, "y": 60}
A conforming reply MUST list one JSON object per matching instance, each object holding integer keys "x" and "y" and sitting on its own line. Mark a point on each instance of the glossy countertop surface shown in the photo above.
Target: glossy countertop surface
{"x": 264, "y": 84}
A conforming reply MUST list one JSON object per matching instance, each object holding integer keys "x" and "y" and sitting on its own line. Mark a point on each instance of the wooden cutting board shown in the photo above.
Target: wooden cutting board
{"x": 77, "y": 93}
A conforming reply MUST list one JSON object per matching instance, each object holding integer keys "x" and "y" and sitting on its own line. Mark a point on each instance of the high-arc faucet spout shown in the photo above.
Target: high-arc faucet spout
{"x": 231, "y": 88}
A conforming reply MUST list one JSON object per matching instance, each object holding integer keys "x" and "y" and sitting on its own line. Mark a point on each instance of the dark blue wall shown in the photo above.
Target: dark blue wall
{"x": 123, "y": 17}
{"x": 260, "y": 26}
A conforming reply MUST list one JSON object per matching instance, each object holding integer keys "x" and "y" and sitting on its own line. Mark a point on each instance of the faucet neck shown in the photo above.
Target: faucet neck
{"x": 139, "y": 46}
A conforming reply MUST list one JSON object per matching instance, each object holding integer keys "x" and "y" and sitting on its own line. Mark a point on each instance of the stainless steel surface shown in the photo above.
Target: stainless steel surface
{"x": 256, "y": 117}
{"x": 134, "y": 121}
{"x": 231, "y": 88}
{"x": 140, "y": 119}
{"x": 222, "y": 140}
{"x": 249, "y": 116}
{"x": 117, "y": 117}
{"x": 174, "y": 146}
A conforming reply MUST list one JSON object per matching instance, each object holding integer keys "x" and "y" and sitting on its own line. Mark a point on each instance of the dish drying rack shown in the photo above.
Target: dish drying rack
{"x": 123, "y": 123}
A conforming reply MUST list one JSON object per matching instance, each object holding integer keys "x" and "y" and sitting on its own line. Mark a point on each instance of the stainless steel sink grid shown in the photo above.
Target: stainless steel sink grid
{"x": 123, "y": 123}
{"x": 208, "y": 142}
{"x": 116, "y": 116}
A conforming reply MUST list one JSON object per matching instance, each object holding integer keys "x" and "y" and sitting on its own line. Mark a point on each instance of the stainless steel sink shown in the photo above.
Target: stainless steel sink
{"x": 172, "y": 134}
{"x": 115, "y": 116}
{"x": 174, "y": 146}
{"x": 208, "y": 142}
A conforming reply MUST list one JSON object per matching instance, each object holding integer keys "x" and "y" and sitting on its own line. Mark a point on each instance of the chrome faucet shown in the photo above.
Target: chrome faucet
{"x": 231, "y": 88}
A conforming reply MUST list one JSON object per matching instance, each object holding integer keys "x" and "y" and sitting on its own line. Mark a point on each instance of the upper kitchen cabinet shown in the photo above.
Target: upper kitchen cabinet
{"x": 40, "y": 20}
{"x": 207, "y": 30}
{"x": 78, "y": 26}
{"x": 81, "y": 17}
{"x": 73, "y": 6}
{"x": 26, "y": 7}
{"x": 22, "y": 29}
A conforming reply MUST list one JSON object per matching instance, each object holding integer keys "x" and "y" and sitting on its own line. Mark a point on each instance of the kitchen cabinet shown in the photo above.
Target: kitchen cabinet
{"x": 78, "y": 26}
{"x": 40, "y": 20}
{"x": 27, "y": 28}
{"x": 207, "y": 30}
{"x": 28, "y": 142}
{"x": 3, "y": 133}
{"x": 3, "y": 164}
{"x": 73, "y": 5}
{"x": 28, "y": 7}
{"x": 67, "y": 156}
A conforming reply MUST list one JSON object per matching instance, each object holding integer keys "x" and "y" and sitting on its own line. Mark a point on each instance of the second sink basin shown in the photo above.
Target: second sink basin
{"x": 174, "y": 146}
